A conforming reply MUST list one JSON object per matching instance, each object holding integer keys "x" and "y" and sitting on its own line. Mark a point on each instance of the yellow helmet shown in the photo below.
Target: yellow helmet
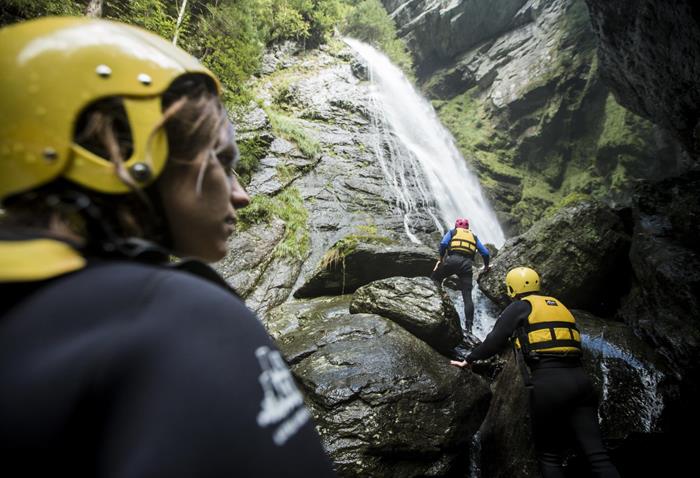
{"x": 521, "y": 280}
{"x": 53, "y": 68}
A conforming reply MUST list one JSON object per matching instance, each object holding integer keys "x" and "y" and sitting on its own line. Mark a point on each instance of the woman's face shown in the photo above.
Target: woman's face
{"x": 201, "y": 219}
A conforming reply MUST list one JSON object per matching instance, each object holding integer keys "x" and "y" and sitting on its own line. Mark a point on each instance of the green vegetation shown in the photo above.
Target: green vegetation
{"x": 15, "y": 10}
{"x": 623, "y": 128}
{"x": 484, "y": 147}
{"x": 370, "y": 22}
{"x": 252, "y": 150}
{"x": 293, "y": 129}
{"x": 289, "y": 207}
{"x": 152, "y": 15}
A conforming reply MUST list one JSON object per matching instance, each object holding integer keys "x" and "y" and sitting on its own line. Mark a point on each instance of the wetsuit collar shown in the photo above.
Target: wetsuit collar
{"x": 37, "y": 259}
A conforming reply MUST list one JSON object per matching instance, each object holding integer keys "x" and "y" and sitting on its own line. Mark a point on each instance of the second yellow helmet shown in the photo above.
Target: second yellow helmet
{"x": 522, "y": 279}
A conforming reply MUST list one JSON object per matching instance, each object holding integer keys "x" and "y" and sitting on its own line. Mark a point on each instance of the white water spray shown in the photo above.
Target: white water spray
{"x": 418, "y": 143}
{"x": 650, "y": 404}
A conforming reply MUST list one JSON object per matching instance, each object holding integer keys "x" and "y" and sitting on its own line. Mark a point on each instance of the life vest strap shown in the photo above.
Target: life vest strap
{"x": 551, "y": 325}
{"x": 548, "y": 344}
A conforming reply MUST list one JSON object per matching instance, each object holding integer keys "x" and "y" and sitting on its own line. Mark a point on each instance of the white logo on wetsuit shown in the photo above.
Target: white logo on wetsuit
{"x": 282, "y": 404}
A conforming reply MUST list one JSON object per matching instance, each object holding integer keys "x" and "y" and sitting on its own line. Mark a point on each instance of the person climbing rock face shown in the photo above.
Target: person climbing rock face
{"x": 457, "y": 250}
{"x": 563, "y": 401}
{"x": 116, "y": 153}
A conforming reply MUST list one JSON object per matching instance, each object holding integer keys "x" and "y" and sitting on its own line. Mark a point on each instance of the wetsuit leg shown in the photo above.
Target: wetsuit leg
{"x": 446, "y": 268}
{"x": 465, "y": 285}
{"x": 550, "y": 400}
{"x": 563, "y": 402}
{"x": 439, "y": 274}
{"x": 547, "y": 431}
{"x": 584, "y": 421}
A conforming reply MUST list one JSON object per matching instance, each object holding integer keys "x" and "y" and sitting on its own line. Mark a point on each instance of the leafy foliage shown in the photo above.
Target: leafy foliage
{"x": 153, "y": 15}
{"x": 15, "y": 10}
{"x": 370, "y": 22}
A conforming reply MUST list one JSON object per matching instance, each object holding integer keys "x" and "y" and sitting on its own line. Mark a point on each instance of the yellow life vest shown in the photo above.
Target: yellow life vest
{"x": 463, "y": 241}
{"x": 550, "y": 329}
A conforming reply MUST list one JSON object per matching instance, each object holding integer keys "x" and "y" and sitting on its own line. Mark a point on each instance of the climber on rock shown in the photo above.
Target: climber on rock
{"x": 548, "y": 350}
{"x": 457, "y": 250}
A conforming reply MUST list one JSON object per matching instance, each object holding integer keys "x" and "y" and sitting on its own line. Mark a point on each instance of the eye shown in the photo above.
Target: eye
{"x": 227, "y": 156}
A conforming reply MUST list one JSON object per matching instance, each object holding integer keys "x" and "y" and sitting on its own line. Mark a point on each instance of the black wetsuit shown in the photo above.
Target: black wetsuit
{"x": 459, "y": 264}
{"x": 124, "y": 369}
{"x": 562, "y": 400}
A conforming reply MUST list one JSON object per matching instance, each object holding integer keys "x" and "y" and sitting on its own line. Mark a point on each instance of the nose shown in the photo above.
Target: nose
{"x": 239, "y": 196}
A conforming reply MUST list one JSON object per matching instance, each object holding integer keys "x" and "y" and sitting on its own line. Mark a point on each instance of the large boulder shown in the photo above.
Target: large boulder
{"x": 633, "y": 389}
{"x": 366, "y": 262}
{"x": 386, "y": 404}
{"x": 664, "y": 303}
{"x": 580, "y": 254}
{"x": 417, "y": 305}
{"x": 649, "y": 51}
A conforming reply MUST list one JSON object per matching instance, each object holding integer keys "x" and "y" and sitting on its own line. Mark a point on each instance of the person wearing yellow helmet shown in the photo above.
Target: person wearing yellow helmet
{"x": 116, "y": 153}
{"x": 563, "y": 401}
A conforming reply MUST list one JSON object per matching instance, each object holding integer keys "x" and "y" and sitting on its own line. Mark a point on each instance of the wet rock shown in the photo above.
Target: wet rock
{"x": 579, "y": 253}
{"x": 664, "y": 303}
{"x": 506, "y": 440}
{"x": 385, "y": 403}
{"x": 648, "y": 52}
{"x": 367, "y": 263}
{"x": 249, "y": 255}
{"x": 634, "y": 379}
{"x": 417, "y": 305}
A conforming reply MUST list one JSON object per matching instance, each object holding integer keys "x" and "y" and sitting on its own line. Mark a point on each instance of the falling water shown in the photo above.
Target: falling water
{"x": 415, "y": 142}
{"x": 651, "y": 403}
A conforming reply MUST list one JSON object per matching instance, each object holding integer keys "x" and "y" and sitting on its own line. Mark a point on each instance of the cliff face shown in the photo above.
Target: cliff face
{"x": 650, "y": 57}
{"x": 526, "y": 104}
{"x": 438, "y": 31}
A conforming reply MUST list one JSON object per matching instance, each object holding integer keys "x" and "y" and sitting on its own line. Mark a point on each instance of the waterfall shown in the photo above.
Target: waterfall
{"x": 415, "y": 147}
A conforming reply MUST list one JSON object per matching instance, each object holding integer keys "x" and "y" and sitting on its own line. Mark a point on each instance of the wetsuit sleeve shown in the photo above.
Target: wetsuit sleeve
{"x": 204, "y": 392}
{"x": 483, "y": 251}
{"x": 509, "y": 320}
{"x": 444, "y": 244}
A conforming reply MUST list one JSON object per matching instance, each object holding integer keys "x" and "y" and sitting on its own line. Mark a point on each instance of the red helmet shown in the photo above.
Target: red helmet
{"x": 462, "y": 223}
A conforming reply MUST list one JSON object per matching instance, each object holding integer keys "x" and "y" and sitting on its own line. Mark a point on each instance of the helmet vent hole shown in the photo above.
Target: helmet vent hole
{"x": 103, "y": 127}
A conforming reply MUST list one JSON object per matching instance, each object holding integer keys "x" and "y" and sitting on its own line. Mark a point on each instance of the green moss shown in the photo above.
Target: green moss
{"x": 476, "y": 137}
{"x": 623, "y": 128}
{"x": 285, "y": 172}
{"x": 252, "y": 150}
{"x": 366, "y": 234}
{"x": 573, "y": 198}
{"x": 294, "y": 130}
{"x": 289, "y": 207}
